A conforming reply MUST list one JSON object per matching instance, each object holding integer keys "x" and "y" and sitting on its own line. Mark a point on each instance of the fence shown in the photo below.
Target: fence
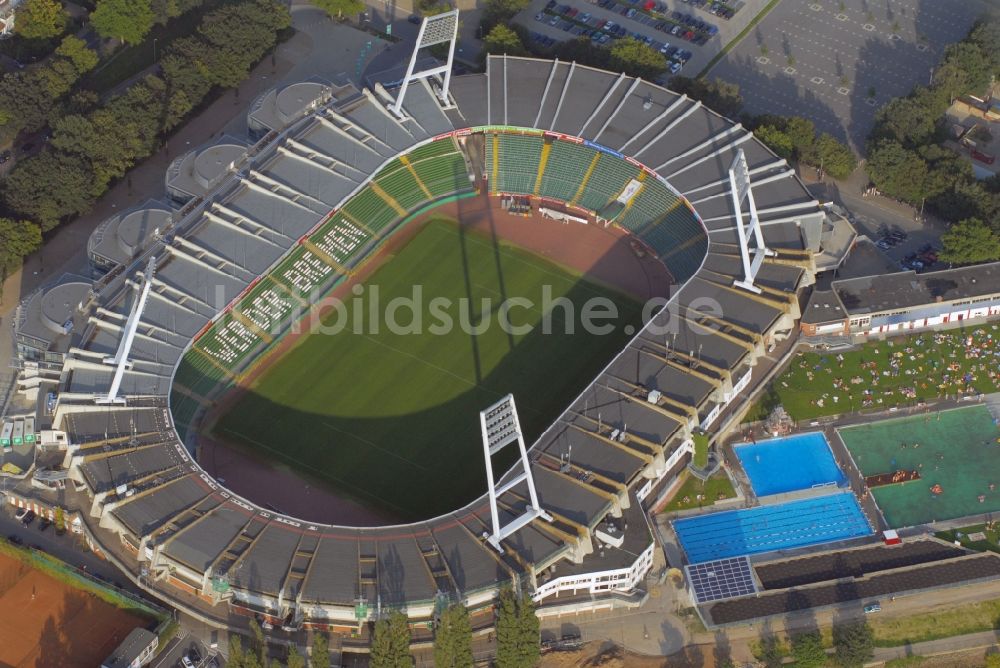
{"x": 80, "y": 579}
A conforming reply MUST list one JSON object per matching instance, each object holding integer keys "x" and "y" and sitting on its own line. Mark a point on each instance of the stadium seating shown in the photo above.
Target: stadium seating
{"x": 606, "y": 182}
{"x": 432, "y": 150}
{"x": 401, "y": 185}
{"x": 518, "y": 163}
{"x": 565, "y": 170}
{"x": 371, "y": 210}
{"x": 444, "y": 175}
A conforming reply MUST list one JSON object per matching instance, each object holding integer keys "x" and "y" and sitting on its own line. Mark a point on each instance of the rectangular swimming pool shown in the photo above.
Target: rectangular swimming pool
{"x": 783, "y": 526}
{"x": 780, "y": 465}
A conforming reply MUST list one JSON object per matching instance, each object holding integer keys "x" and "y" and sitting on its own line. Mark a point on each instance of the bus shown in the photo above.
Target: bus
{"x": 29, "y": 430}
{"x": 5, "y": 435}
{"x": 18, "y": 436}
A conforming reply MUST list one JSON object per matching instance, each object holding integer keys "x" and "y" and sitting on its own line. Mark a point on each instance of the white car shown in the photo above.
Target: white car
{"x": 873, "y": 608}
{"x": 186, "y": 662}
{"x": 675, "y": 68}
{"x": 20, "y": 514}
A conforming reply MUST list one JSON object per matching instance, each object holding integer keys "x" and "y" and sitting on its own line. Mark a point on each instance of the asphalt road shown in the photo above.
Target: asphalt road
{"x": 822, "y": 59}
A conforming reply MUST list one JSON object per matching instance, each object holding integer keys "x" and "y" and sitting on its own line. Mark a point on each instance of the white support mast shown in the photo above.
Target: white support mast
{"x": 436, "y": 29}
{"x": 500, "y": 428}
{"x": 739, "y": 189}
{"x": 120, "y": 361}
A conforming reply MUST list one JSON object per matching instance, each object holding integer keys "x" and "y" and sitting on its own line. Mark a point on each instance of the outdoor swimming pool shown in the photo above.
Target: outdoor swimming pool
{"x": 783, "y": 526}
{"x": 788, "y": 464}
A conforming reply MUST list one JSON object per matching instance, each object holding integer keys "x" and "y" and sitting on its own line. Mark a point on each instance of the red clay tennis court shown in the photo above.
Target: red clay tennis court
{"x": 46, "y": 623}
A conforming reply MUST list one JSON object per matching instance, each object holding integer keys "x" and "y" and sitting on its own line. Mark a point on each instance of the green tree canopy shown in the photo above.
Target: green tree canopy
{"x": 40, "y": 19}
{"x": 898, "y": 171}
{"x": 339, "y": 8}
{"x": 320, "y": 651}
{"x": 637, "y": 59}
{"x": 75, "y": 50}
{"x": 294, "y": 659}
{"x": 969, "y": 242}
{"x": 517, "y": 631}
{"x": 836, "y": 158}
{"x": 49, "y": 186}
{"x": 18, "y": 238}
{"x": 807, "y": 650}
{"x": 453, "y": 639}
{"x": 720, "y": 96}
{"x": 127, "y": 20}
{"x": 776, "y": 140}
{"x": 391, "y": 642}
{"x": 502, "y": 40}
{"x": 854, "y": 643}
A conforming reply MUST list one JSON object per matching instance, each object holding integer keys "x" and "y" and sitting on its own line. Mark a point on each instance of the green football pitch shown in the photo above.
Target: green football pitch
{"x": 392, "y": 419}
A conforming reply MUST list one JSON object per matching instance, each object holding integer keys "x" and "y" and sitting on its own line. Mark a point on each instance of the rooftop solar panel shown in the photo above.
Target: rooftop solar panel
{"x": 721, "y": 579}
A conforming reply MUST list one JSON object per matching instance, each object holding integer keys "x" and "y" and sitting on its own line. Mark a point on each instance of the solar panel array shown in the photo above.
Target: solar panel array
{"x": 721, "y": 579}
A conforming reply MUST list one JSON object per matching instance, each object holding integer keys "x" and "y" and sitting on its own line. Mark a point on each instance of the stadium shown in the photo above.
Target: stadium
{"x": 149, "y": 346}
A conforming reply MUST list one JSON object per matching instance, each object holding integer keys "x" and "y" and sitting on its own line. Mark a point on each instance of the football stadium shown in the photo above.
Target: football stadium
{"x": 200, "y": 334}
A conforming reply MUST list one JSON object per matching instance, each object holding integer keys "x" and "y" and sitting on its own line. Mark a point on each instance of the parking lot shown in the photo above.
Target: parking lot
{"x": 837, "y": 63}
{"x": 688, "y": 33}
{"x": 189, "y": 647}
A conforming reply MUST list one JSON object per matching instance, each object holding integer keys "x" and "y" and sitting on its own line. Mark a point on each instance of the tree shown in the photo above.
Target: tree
{"x": 294, "y": 659}
{"x": 48, "y": 187}
{"x": 807, "y": 649}
{"x": 320, "y": 651}
{"x": 60, "y": 516}
{"x": 502, "y": 40}
{"x": 718, "y": 95}
{"x": 40, "y": 19}
{"x": 75, "y": 50}
{"x": 391, "y": 642}
{"x": 453, "y": 638}
{"x": 802, "y": 132}
{"x": 969, "y": 242}
{"x": 517, "y": 630}
{"x": 237, "y": 657}
{"x": 637, "y": 59}
{"x": 18, "y": 238}
{"x": 258, "y": 643}
{"x": 897, "y": 171}
{"x": 500, "y": 11}
{"x": 854, "y": 643}
{"x": 776, "y": 140}
{"x": 836, "y": 158}
{"x": 127, "y": 20}
{"x": 340, "y": 7}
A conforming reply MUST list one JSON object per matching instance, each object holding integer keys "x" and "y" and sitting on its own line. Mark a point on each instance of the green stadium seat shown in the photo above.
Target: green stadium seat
{"x": 565, "y": 170}
{"x": 518, "y": 164}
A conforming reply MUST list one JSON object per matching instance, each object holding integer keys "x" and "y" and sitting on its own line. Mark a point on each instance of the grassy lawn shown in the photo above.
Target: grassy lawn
{"x": 716, "y": 488}
{"x": 972, "y": 618}
{"x": 392, "y": 418}
{"x": 883, "y": 374}
{"x": 991, "y": 544}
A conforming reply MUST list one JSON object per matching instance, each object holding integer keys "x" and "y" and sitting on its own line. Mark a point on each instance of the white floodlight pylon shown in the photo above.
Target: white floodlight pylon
{"x": 739, "y": 189}
{"x": 500, "y": 428}
{"x": 120, "y": 361}
{"x": 436, "y": 29}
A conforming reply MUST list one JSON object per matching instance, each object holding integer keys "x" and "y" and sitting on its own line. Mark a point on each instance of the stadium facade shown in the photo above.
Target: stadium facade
{"x": 289, "y": 217}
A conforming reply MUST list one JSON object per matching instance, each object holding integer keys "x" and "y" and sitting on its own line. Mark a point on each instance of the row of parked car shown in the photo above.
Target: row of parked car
{"x": 721, "y": 9}
{"x": 657, "y": 15}
{"x": 601, "y": 31}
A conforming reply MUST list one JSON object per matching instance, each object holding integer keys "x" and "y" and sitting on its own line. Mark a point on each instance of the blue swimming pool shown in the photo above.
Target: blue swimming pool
{"x": 787, "y": 464}
{"x": 783, "y": 526}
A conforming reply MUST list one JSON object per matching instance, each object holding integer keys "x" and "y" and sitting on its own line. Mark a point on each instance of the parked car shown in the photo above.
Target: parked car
{"x": 28, "y": 518}
{"x": 872, "y": 608}
{"x": 44, "y": 524}
{"x": 675, "y": 67}
{"x": 19, "y": 515}
{"x": 414, "y": 19}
